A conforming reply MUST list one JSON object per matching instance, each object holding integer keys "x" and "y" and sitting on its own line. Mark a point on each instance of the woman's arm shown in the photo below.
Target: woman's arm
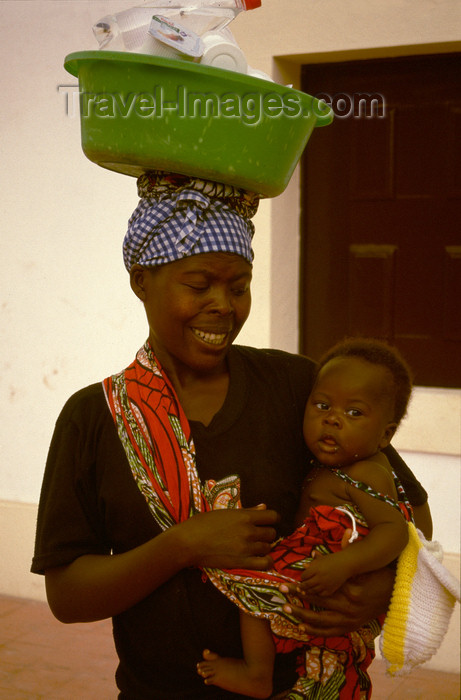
{"x": 94, "y": 587}
{"x": 423, "y": 519}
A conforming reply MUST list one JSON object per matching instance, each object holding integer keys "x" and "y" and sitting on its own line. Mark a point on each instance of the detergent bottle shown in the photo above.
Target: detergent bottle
{"x": 171, "y": 28}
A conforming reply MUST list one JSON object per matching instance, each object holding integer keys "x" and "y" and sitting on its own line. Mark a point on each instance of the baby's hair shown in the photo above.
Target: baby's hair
{"x": 377, "y": 352}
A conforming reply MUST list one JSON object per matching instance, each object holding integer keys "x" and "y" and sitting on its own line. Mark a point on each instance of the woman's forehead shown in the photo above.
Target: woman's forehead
{"x": 209, "y": 263}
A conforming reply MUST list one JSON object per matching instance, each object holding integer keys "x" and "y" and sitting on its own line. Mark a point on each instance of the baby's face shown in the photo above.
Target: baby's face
{"x": 348, "y": 416}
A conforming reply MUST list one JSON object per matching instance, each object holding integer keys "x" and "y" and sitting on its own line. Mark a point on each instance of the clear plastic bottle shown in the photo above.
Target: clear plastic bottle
{"x": 202, "y": 15}
{"x": 129, "y": 30}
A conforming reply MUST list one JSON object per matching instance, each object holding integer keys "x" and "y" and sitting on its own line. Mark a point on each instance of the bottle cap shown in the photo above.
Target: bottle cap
{"x": 251, "y": 4}
{"x": 220, "y": 52}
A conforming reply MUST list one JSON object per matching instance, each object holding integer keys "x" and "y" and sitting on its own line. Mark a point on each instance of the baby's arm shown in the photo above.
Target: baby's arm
{"x": 387, "y": 537}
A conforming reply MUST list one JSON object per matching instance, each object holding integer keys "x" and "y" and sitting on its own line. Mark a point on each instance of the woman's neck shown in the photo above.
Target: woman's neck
{"x": 200, "y": 393}
{"x": 204, "y": 396}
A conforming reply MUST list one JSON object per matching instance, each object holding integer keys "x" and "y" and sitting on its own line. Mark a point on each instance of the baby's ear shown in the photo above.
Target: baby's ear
{"x": 388, "y": 434}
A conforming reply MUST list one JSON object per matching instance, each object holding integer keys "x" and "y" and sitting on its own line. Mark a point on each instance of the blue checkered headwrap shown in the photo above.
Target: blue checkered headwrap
{"x": 185, "y": 222}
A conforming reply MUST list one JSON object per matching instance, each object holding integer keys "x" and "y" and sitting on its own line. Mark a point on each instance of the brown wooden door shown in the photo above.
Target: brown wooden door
{"x": 381, "y": 214}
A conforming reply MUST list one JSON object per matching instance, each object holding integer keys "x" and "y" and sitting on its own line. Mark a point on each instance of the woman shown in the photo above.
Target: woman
{"x": 188, "y": 252}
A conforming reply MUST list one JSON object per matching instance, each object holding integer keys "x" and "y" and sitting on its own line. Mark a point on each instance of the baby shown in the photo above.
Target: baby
{"x": 359, "y": 397}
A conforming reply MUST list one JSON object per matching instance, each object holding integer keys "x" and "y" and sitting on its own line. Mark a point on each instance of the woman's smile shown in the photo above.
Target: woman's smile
{"x": 210, "y": 338}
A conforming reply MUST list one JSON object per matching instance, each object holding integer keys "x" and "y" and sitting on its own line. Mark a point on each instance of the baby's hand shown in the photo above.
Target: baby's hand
{"x": 323, "y": 576}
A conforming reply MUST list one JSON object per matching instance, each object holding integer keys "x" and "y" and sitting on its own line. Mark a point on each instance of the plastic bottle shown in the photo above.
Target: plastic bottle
{"x": 131, "y": 30}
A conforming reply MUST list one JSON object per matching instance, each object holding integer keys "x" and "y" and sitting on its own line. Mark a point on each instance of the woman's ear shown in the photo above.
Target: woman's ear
{"x": 137, "y": 281}
{"x": 387, "y": 435}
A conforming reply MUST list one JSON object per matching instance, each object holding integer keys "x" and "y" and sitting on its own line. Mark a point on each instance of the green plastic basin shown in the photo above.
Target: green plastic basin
{"x": 140, "y": 112}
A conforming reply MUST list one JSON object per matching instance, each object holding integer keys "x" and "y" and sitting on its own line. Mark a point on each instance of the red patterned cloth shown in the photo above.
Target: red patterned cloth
{"x": 157, "y": 440}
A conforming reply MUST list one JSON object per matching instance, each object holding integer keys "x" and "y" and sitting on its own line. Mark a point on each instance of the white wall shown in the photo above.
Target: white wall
{"x": 68, "y": 316}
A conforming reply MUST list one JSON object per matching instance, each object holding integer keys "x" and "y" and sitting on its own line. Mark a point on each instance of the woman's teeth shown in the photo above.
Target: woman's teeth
{"x": 212, "y": 338}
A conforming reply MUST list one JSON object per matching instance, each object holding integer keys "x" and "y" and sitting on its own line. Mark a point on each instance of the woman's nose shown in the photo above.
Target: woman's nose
{"x": 221, "y": 302}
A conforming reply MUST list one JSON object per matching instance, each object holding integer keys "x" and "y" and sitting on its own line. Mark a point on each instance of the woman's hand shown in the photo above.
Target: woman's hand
{"x": 229, "y": 539}
{"x": 354, "y": 604}
{"x": 94, "y": 587}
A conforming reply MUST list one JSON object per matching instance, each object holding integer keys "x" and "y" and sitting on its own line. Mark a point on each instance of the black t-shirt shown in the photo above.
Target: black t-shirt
{"x": 90, "y": 504}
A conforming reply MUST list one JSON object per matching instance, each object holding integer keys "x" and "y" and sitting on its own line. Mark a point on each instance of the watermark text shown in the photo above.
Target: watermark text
{"x": 251, "y": 108}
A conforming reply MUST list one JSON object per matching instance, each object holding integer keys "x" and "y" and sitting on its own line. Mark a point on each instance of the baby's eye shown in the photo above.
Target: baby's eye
{"x": 321, "y": 405}
{"x": 354, "y": 412}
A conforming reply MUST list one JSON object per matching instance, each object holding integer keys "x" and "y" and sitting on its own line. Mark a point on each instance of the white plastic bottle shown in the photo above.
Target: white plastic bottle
{"x": 141, "y": 28}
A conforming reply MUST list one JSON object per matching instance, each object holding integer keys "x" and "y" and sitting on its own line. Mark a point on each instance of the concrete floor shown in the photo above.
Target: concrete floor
{"x": 42, "y": 659}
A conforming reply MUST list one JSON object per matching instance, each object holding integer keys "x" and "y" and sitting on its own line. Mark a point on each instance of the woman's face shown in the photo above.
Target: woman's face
{"x": 195, "y": 308}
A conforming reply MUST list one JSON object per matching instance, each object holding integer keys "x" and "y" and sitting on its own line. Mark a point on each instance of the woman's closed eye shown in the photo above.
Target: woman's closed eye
{"x": 198, "y": 287}
{"x": 240, "y": 291}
